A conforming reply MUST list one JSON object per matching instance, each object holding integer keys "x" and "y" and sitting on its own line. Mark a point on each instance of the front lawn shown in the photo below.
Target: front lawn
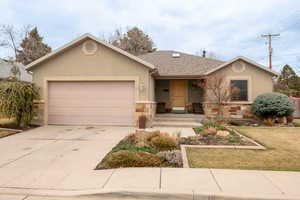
{"x": 283, "y": 152}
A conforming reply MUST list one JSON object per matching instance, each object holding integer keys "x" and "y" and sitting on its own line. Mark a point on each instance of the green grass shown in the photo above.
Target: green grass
{"x": 283, "y": 152}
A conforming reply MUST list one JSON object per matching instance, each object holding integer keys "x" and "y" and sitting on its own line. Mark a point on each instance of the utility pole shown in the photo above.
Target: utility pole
{"x": 269, "y": 37}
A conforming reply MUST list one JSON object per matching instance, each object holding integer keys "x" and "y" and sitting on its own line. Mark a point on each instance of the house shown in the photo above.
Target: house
{"x": 6, "y": 71}
{"x": 89, "y": 82}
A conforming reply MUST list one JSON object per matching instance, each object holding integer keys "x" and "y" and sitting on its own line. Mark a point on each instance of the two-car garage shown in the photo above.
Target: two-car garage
{"x": 91, "y": 102}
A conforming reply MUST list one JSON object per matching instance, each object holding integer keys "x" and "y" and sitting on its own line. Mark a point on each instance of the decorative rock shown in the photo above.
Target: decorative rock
{"x": 223, "y": 133}
{"x": 210, "y": 131}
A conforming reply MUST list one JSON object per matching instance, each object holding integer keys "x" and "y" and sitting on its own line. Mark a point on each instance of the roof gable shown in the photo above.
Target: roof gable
{"x": 246, "y": 60}
{"x": 84, "y": 37}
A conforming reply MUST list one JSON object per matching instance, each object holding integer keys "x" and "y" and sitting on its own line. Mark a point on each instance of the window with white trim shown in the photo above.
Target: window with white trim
{"x": 242, "y": 92}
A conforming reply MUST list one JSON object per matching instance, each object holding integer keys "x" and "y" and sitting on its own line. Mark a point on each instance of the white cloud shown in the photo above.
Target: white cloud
{"x": 228, "y": 27}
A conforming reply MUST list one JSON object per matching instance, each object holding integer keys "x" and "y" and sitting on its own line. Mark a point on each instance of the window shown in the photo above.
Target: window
{"x": 242, "y": 94}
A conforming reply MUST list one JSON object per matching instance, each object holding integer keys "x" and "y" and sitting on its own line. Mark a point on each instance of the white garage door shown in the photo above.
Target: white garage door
{"x": 91, "y": 103}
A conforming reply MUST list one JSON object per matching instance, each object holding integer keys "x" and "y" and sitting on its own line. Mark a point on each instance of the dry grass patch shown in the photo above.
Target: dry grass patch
{"x": 5, "y": 121}
{"x": 283, "y": 152}
{"x": 4, "y": 133}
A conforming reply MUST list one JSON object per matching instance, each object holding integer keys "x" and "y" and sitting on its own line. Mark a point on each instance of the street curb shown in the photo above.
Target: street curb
{"x": 136, "y": 194}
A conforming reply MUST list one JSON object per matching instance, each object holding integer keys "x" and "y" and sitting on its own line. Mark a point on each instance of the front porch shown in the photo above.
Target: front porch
{"x": 179, "y": 96}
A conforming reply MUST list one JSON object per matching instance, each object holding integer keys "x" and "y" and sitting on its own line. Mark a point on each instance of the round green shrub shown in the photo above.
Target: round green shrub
{"x": 271, "y": 105}
{"x": 126, "y": 158}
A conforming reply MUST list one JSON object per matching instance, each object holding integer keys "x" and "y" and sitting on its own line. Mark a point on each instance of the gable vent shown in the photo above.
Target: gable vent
{"x": 89, "y": 47}
{"x": 175, "y": 55}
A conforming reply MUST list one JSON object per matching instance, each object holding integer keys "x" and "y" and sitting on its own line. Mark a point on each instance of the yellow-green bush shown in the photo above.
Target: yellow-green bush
{"x": 163, "y": 142}
{"x": 125, "y": 158}
{"x": 17, "y": 101}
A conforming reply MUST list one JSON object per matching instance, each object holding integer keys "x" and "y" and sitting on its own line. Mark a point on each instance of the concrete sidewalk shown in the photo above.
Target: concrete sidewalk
{"x": 180, "y": 183}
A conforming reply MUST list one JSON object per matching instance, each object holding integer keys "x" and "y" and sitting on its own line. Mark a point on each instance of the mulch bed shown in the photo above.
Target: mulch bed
{"x": 203, "y": 138}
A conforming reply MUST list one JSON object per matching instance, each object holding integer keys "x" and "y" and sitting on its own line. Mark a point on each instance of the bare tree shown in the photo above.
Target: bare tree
{"x": 112, "y": 37}
{"x": 219, "y": 91}
{"x": 134, "y": 41}
{"x": 11, "y": 37}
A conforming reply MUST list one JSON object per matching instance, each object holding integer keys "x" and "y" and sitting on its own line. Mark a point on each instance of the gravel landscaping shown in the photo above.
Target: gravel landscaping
{"x": 213, "y": 133}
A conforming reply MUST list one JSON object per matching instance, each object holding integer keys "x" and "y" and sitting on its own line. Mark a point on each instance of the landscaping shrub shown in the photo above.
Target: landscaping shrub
{"x": 234, "y": 139}
{"x": 296, "y": 124}
{"x": 163, "y": 142}
{"x": 17, "y": 101}
{"x": 268, "y": 106}
{"x": 237, "y": 123}
{"x": 130, "y": 147}
{"x": 210, "y": 131}
{"x": 199, "y": 129}
{"x": 172, "y": 157}
{"x": 125, "y": 158}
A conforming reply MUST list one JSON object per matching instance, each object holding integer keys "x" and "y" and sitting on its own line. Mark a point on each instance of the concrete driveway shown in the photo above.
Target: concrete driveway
{"x": 57, "y": 157}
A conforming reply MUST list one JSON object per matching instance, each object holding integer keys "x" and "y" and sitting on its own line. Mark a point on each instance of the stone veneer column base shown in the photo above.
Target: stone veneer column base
{"x": 146, "y": 108}
{"x": 231, "y": 110}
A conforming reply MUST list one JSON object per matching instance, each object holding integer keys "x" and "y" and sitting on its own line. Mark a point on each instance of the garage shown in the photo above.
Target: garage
{"x": 91, "y": 103}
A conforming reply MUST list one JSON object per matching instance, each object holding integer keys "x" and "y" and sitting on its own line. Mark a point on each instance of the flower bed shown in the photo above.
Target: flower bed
{"x": 216, "y": 134}
{"x": 144, "y": 149}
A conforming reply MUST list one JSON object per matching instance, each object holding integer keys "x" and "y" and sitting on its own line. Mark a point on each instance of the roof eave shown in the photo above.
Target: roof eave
{"x": 247, "y": 60}
{"x": 79, "y": 39}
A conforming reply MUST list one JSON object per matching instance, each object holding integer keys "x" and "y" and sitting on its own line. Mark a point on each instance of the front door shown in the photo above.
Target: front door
{"x": 178, "y": 93}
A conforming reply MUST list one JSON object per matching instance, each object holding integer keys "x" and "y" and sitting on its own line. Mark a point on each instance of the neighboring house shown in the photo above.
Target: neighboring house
{"x": 89, "y": 82}
{"x": 6, "y": 73}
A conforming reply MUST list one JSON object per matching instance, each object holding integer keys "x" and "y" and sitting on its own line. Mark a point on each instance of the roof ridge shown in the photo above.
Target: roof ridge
{"x": 197, "y": 56}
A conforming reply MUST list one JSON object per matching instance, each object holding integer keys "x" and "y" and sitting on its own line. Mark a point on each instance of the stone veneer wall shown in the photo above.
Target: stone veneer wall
{"x": 145, "y": 108}
{"x": 231, "y": 110}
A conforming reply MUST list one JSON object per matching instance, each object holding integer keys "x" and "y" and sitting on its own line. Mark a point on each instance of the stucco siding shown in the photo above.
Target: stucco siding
{"x": 105, "y": 62}
{"x": 152, "y": 89}
{"x": 259, "y": 80}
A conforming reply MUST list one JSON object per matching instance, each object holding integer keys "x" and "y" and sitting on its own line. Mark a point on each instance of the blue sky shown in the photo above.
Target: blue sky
{"x": 229, "y": 28}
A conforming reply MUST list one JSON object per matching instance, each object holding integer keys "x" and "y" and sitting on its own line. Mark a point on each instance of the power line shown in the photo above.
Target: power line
{"x": 269, "y": 36}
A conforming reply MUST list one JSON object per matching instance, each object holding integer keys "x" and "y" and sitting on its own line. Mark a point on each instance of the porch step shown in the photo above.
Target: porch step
{"x": 167, "y": 115}
{"x": 177, "y": 120}
{"x": 175, "y": 124}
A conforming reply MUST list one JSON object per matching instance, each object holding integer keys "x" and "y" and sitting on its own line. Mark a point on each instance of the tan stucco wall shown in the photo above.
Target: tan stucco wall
{"x": 105, "y": 62}
{"x": 259, "y": 80}
{"x": 152, "y": 89}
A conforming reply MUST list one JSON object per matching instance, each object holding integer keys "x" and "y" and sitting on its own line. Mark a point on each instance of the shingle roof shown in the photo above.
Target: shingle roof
{"x": 184, "y": 65}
